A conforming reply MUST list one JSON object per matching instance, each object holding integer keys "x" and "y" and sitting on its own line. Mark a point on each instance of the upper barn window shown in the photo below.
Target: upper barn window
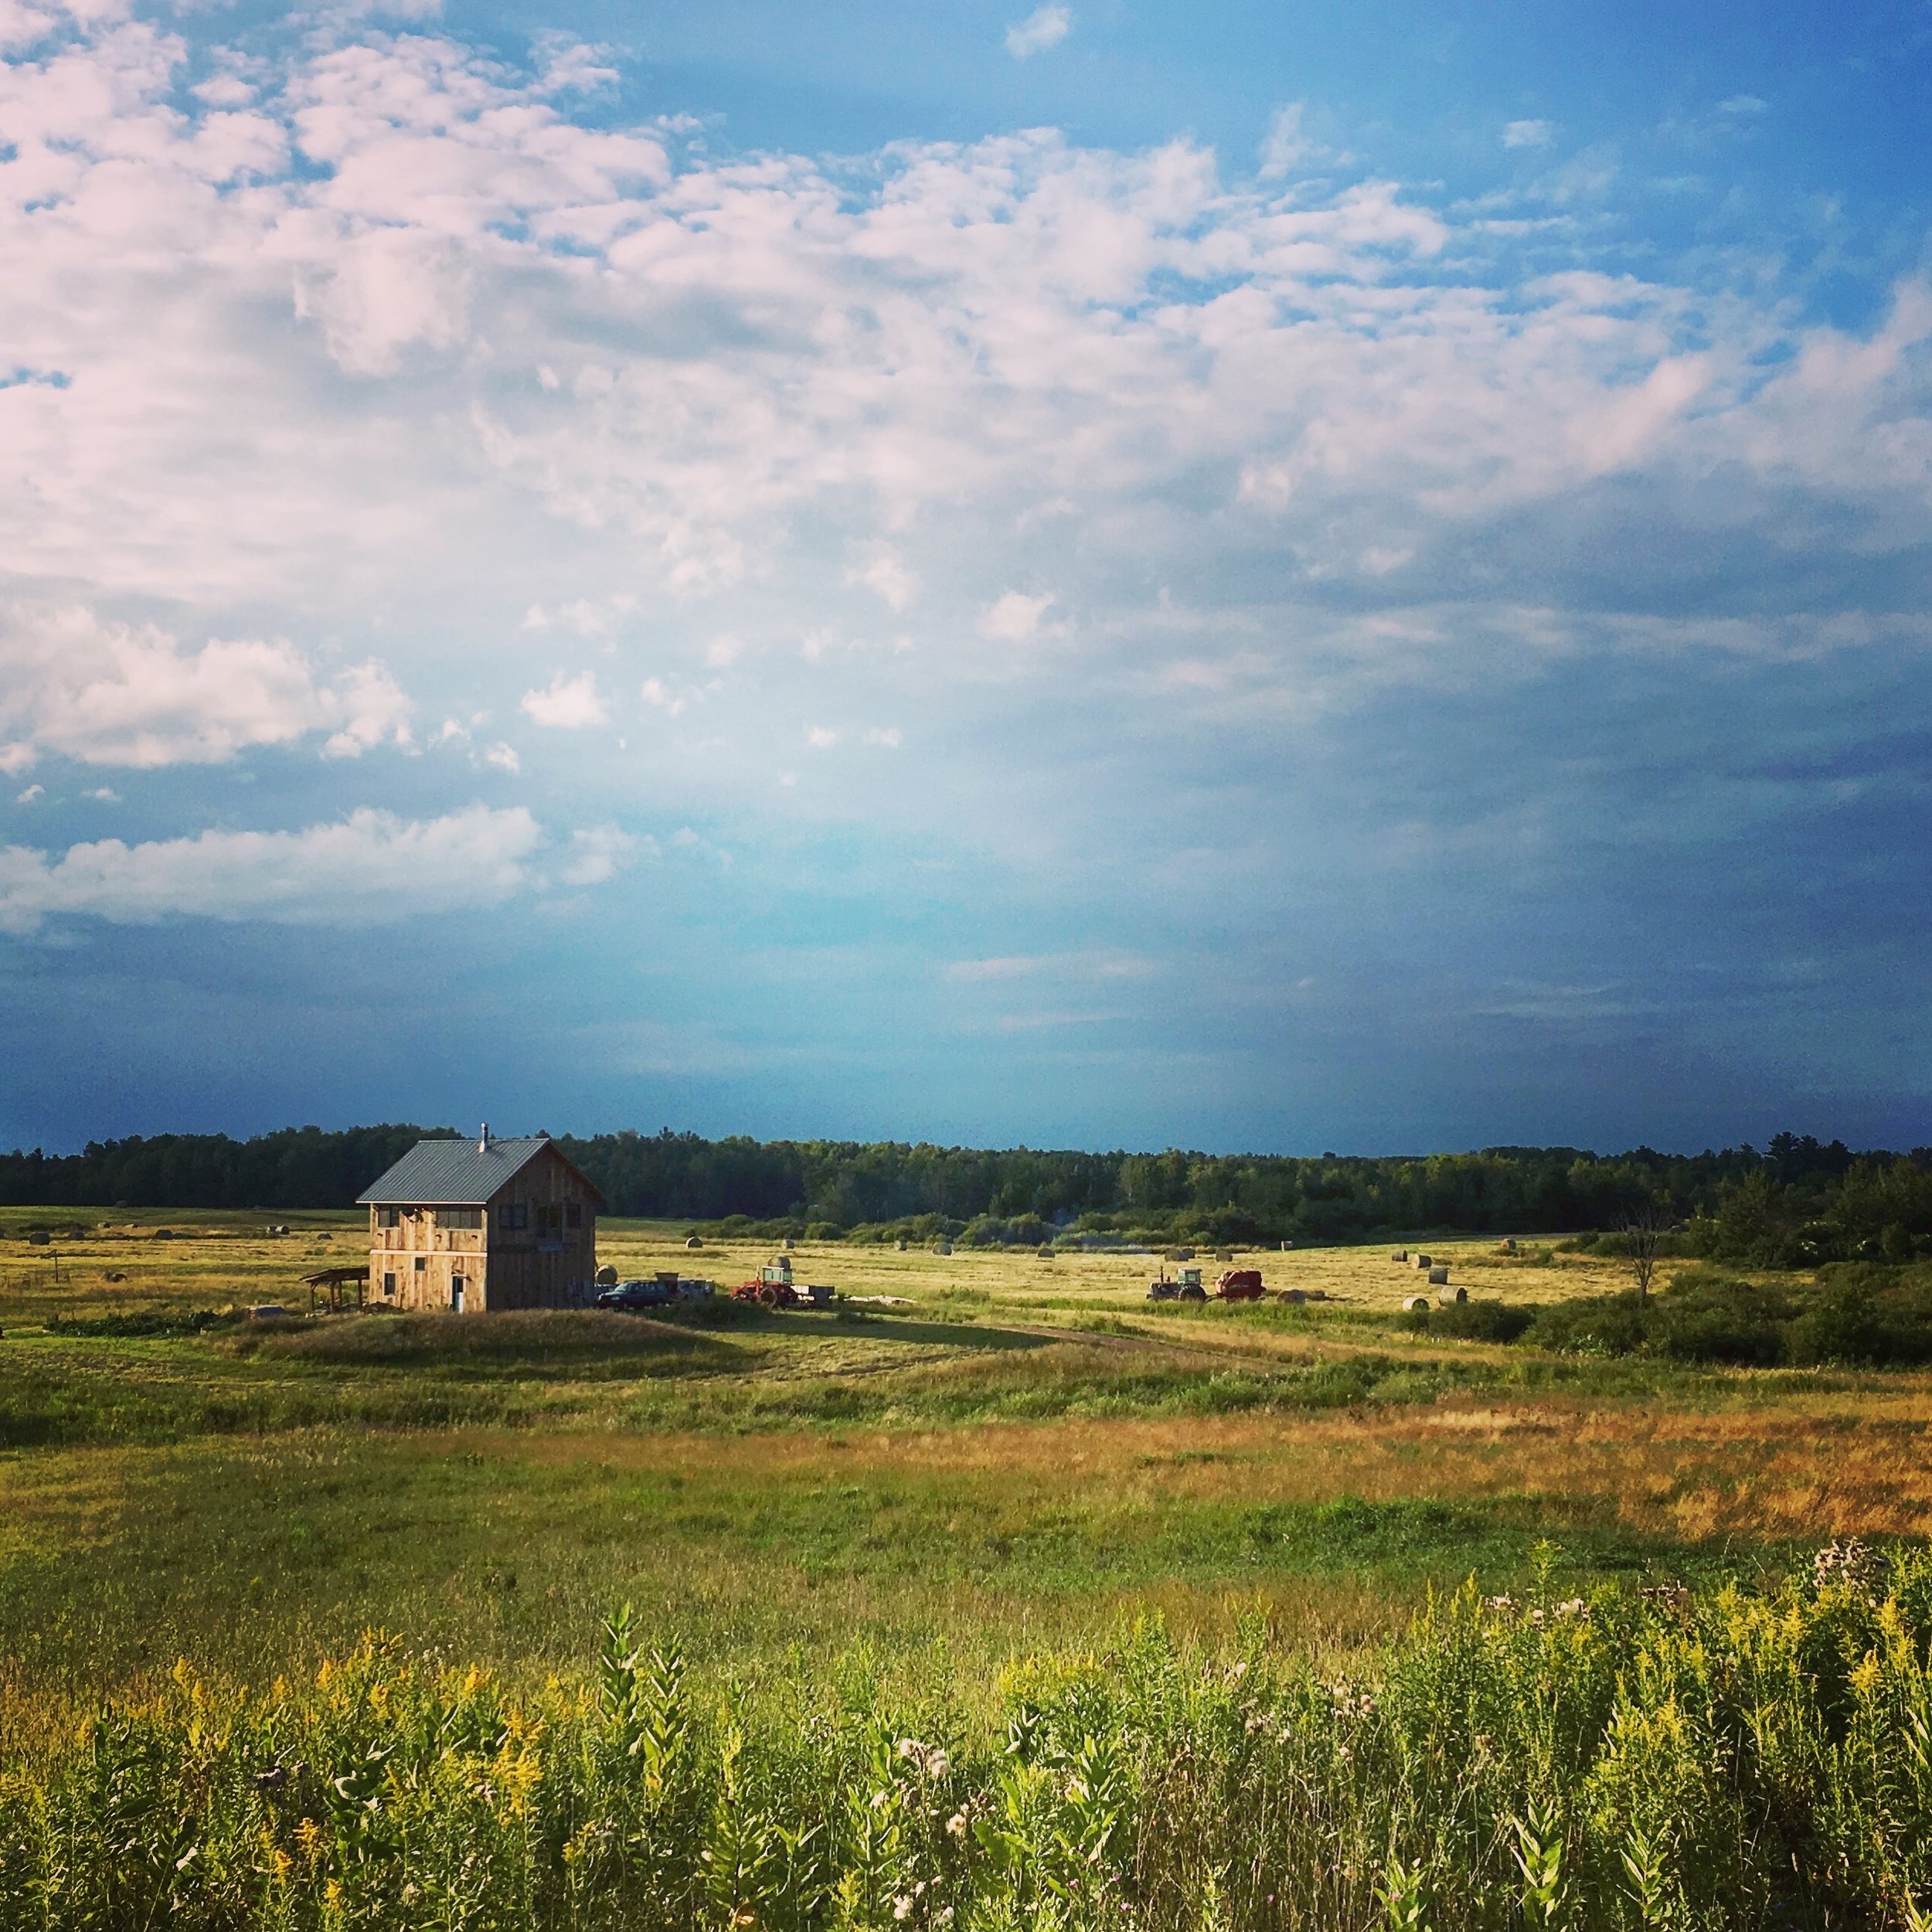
{"x": 513, "y": 1215}
{"x": 389, "y": 1217}
{"x": 574, "y": 1214}
{"x": 459, "y": 1217}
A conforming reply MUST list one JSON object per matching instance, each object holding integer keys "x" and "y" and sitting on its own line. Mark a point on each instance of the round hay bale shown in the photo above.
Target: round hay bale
{"x": 1438, "y": 1276}
{"x": 693, "y": 1241}
{"x": 1451, "y": 1298}
{"x": 1412, "y": 1302}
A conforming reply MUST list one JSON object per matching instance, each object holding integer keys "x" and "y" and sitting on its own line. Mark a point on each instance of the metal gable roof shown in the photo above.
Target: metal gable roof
{"x": 452, "y": 1173}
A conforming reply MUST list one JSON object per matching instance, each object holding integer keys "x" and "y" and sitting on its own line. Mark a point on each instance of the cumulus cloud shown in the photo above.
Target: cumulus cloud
{"x": 1528, "y": 133}
{"x": 117, "y": 694}
{"x": 372, "y": 867}
{"x": 1014, "y": 617}
{"x": 599, "y": 852}
{"x": 376, "y": 328}
{"x": 1046, "y": 27}
{"x": 570, "y": 704}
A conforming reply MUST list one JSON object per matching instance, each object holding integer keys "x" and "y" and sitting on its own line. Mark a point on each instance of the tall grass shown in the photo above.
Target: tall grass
{"x": 1667, "y": 1759}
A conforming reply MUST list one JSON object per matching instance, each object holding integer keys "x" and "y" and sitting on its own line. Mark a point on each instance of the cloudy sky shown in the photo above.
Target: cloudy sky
{"x": 1250, "y": 576}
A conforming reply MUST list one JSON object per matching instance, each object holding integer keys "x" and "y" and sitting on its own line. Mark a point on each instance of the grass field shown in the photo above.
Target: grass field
{"x": 1007, "y": 1458}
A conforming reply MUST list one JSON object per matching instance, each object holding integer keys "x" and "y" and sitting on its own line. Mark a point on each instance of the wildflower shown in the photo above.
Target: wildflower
{"x": 956, "y": 1825}
{"x": 902, "y": 1905}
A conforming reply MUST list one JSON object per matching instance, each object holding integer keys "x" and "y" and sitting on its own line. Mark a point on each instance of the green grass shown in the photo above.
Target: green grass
{"x": 1718, "y": 1759}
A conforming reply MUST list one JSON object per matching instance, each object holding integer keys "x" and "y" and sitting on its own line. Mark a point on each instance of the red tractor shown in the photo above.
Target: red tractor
{"x": 773, "y": 1287}
{"x": 1239, "y": 1284}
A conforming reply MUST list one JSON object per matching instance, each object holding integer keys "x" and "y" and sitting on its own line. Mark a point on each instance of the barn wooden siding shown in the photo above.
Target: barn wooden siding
{"x": 429, "y": 1249}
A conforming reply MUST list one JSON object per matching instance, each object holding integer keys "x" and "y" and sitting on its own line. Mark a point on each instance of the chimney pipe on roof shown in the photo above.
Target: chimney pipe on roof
{"x": 483, "y": 1139}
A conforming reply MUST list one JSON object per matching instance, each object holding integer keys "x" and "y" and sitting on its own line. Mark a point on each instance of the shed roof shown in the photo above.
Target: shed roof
{"x": 459, "y": 1173}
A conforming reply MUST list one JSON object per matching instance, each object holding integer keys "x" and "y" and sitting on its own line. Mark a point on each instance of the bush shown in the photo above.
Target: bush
{"x": 1861, "y": 1315}
{"x": 1473, "y": 1321}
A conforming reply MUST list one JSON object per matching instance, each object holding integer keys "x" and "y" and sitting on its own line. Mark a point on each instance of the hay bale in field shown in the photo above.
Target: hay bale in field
{"x": 1224, "y": 1255}
{"x": 1449, "y": 1299}
{"x": 1412, "y": 1302}
{"x": 607, "y": 1277}
{"x": 39, "y": 1238}
{"x": 1399, "y": 1254}
{"x": 944, "y": 1247}
{"x": 1291, "y": 1294}
{"x": 114, "y": 1278}
{"x": 1508, "y": 1244}
{"x": 691, "y": 1241}
{"x": 789, "y": 1244}
{"x": 900, "y": 1245}
{"x": 1286, "y": 1246}
{"x": 1438, "y": 1276}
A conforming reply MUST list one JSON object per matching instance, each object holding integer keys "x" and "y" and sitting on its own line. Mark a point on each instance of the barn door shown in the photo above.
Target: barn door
{"x": 456, "y": 1295}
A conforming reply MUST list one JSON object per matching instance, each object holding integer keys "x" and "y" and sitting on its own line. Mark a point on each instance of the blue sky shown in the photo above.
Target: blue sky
{"x": 1245, "y": 577}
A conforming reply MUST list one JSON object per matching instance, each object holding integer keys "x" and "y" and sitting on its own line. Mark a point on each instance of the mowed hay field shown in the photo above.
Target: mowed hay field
{"x": 1005, "y": 1451}
{"x": 996, "y": 1596}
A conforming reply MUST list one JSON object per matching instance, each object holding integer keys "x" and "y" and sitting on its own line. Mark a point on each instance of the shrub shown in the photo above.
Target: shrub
{"x": 1473, "y": 1321}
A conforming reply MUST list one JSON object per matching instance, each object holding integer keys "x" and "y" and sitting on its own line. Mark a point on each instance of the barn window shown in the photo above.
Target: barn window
{"x": 389, "y": 1217}
{"x": 459, "y": 1217}
{"x": 422, "y": 1264}
{"x": 513, "y": 1215}
{"x": 389, "y": 1286}
{"x": 574, "y": 1214}
{"x": 549, "y": 1218}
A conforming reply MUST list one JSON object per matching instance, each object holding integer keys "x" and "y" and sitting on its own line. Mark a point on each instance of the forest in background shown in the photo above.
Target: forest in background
{"x": 1796, "y": 1202}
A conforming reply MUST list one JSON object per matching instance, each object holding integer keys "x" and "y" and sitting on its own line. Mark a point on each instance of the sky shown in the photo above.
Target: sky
{"x": 1281, "y": 577}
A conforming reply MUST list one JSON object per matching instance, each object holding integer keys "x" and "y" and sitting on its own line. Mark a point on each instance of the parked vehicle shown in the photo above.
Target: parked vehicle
{"x": 663, "y": 1290}
{"x": 1239, "y": 1284}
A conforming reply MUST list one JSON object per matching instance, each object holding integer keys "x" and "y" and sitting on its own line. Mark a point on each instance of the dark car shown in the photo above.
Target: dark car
{"x": 638, "y": 1294}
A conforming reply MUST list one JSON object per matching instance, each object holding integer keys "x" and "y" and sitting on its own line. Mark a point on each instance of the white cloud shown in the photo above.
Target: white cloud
{"x": 654, "y": 691}
{"x": 1528, "y": 133}
{"x": 371, "y": 868}
{"x": 886, "y": 575}
{"x": 889, "y": 736}
{"x": 1742, "y": 104}
{"x": 599, "y": 852}
{"x": 117, "y": 694}
{"x": 1014, "y": 617}
{"x": 105, "y": 794}
{"x": 1285, "y": 147}
{"x": 570, "y": 704}
{"x": 1044, "y": 28}
{"x": 820, "y": 738}
{"x": 504, "y": 758}
{"x": 27, "y": 796}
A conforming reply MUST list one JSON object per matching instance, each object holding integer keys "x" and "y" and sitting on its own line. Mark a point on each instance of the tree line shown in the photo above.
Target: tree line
{"x": 1794, "y": 1202}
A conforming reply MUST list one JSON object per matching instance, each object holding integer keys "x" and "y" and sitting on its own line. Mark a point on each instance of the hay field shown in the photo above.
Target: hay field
{"x": 997, "y": 1451}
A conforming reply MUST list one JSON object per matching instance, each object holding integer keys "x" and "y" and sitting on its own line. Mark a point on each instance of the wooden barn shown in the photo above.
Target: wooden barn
{"x": 484, "y": 1224}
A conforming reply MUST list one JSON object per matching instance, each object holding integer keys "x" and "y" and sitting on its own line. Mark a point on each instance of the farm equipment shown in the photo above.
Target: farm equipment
{"x": 1239, "y": 1284}
{"x": 773, "y": 1288}
{"x": 1187, "y": 1288}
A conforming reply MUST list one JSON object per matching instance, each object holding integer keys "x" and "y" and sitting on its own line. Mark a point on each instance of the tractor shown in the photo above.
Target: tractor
{"x": 773, "y": 1288}
{"x": 1187, "y": 1288}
